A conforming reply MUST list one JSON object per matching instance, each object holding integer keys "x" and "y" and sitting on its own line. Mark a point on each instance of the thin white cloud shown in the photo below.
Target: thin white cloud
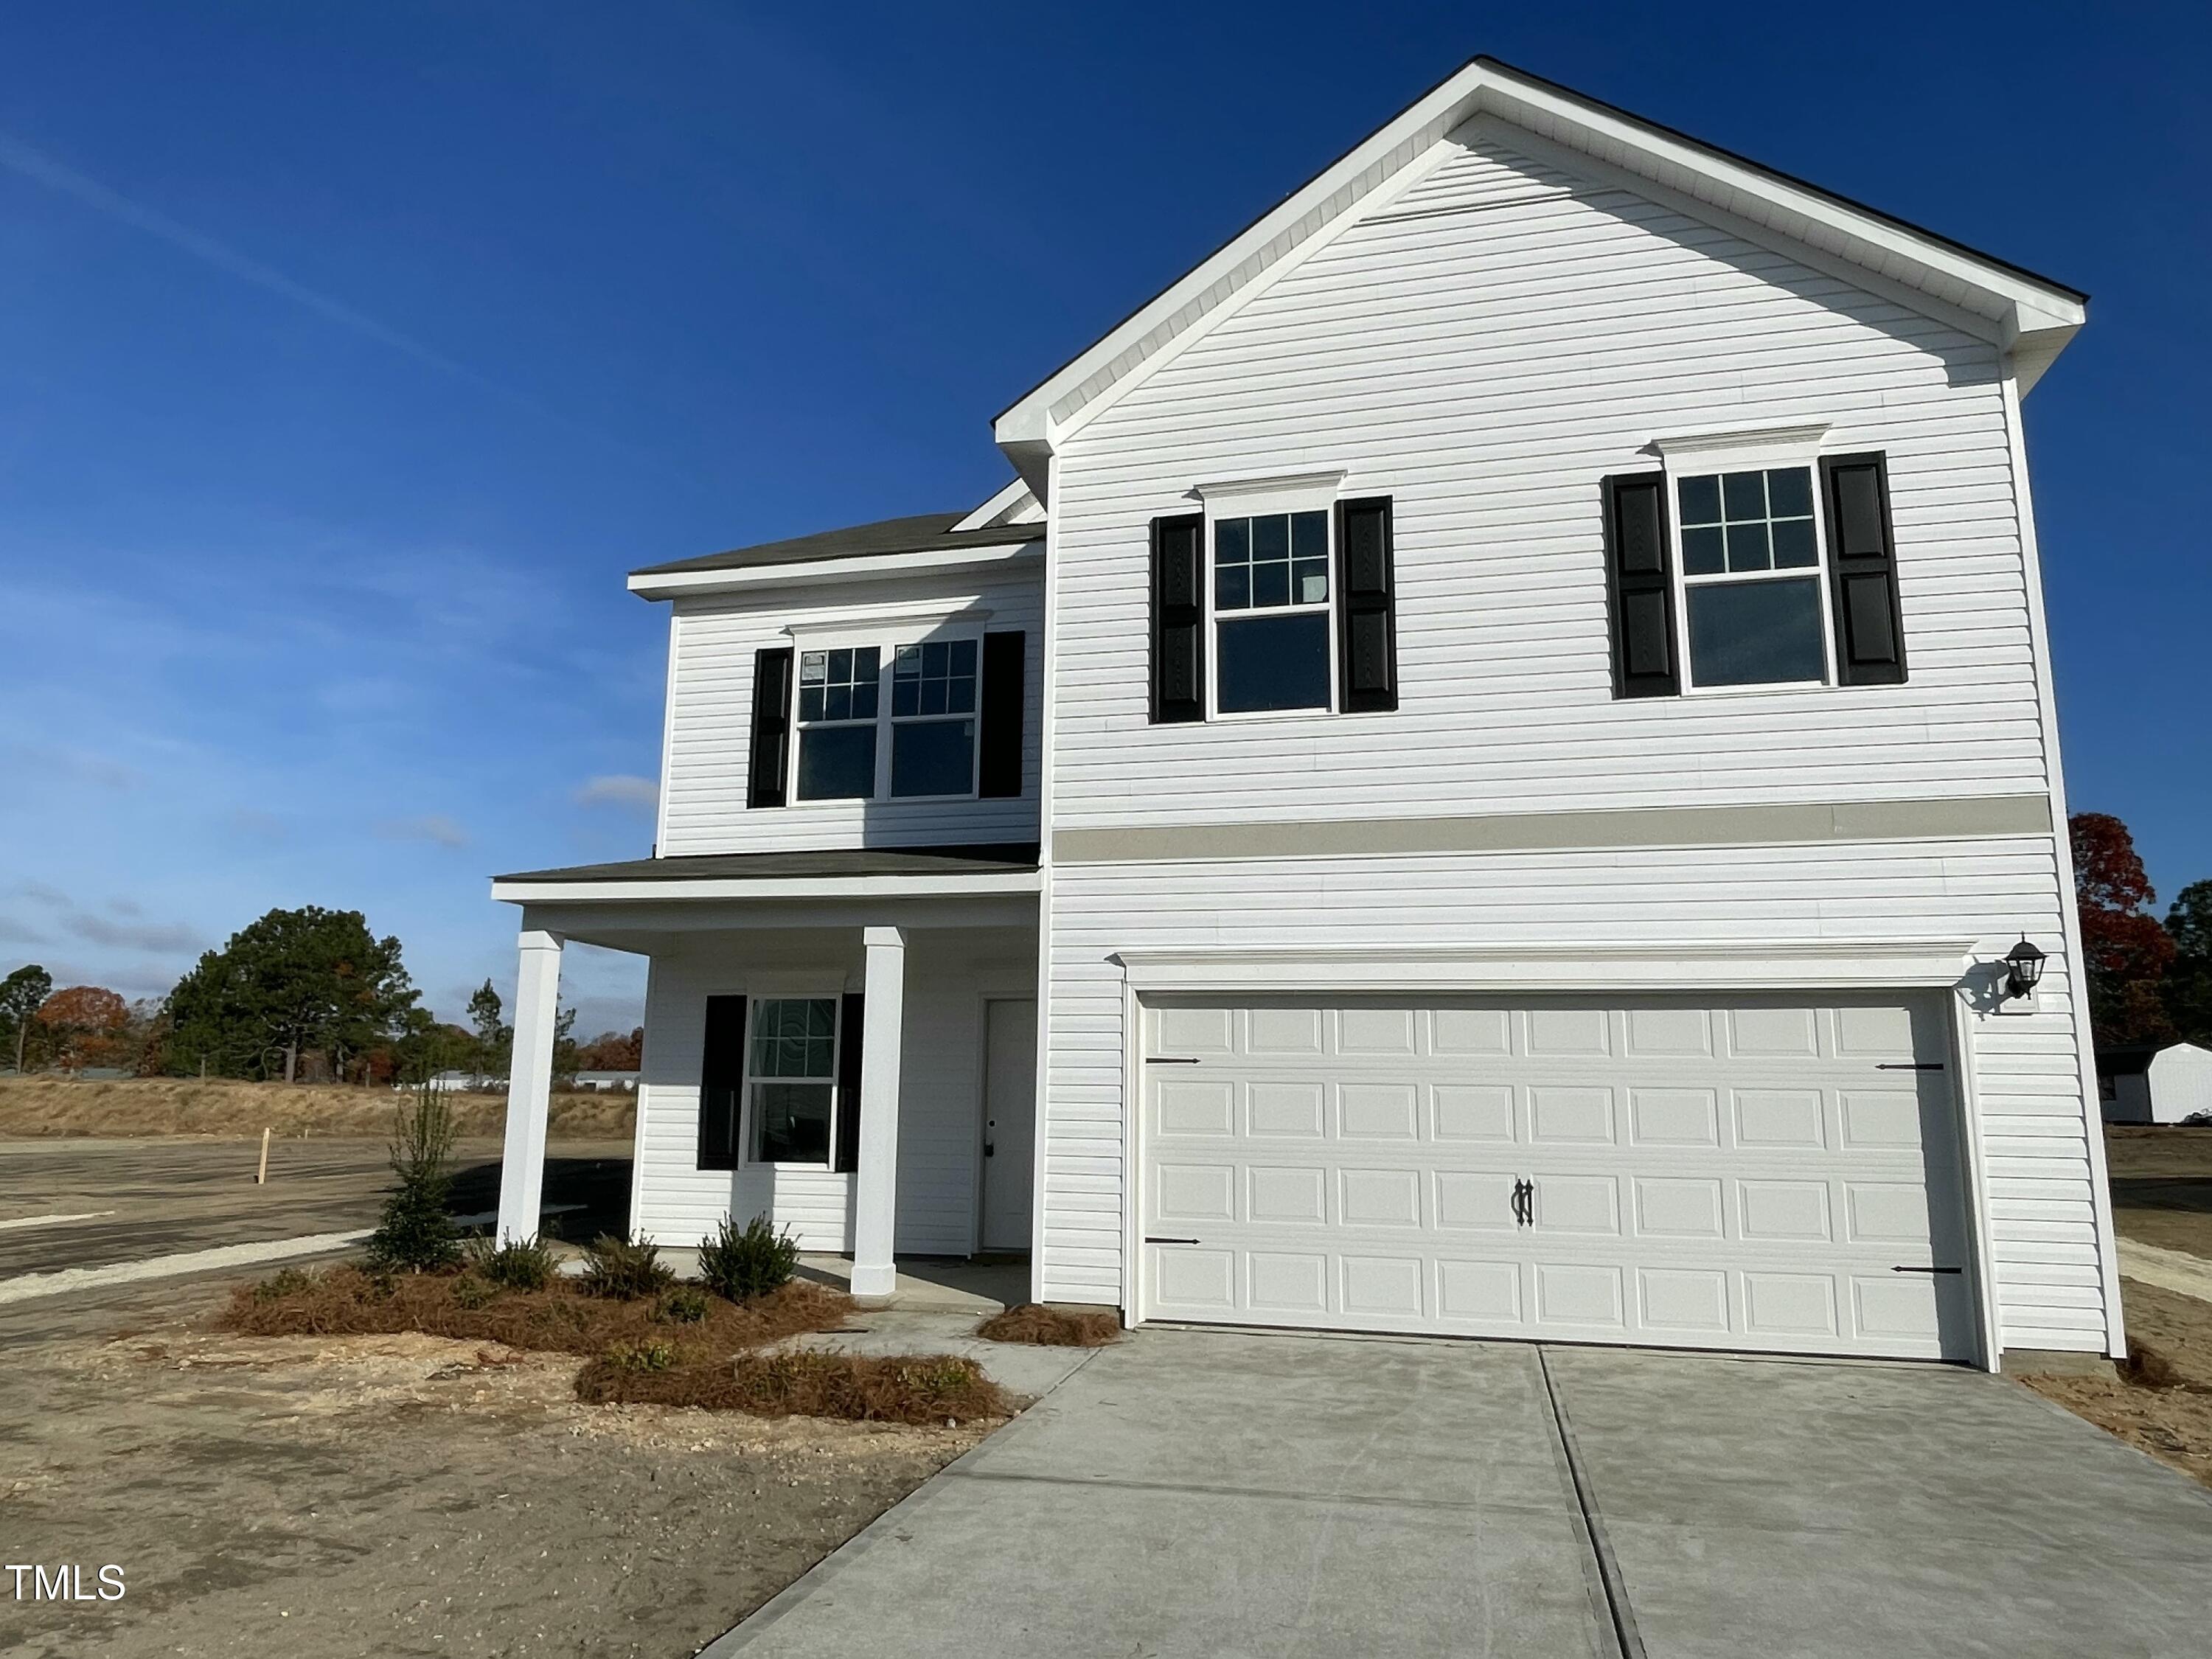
{"x": 14, "y": 930}
{"x": 157, "y": 938}
{"x": 41, "y": 169}
{"x": 26, "y": 760}
{"x": 432, "y": 827}
{"x": 620, "y": 789}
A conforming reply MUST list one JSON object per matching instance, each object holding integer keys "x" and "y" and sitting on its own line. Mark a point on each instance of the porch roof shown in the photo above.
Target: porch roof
{"x": 994, "y": 866}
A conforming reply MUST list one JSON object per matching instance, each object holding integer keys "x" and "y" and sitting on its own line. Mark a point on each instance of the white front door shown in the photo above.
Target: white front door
{"x": 1723, "y": 1172}
{"x": 1009, "y": 1122}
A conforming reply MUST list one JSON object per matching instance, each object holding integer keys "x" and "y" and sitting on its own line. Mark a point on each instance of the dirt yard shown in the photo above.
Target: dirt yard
{"x": 402, "y": 1494}
{"x": 2162, "y": 1184}
{"x": 45, "y": 1106}
{"x": 2162, "y": 1401}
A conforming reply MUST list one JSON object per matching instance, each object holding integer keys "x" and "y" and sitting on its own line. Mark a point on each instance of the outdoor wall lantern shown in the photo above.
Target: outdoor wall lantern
{"x": 2024, "y": 967}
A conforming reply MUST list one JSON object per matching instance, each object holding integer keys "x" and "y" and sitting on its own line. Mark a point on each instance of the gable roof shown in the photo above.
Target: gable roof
{"x": 882, "y": 546}
{"x": 2032, "y": 316}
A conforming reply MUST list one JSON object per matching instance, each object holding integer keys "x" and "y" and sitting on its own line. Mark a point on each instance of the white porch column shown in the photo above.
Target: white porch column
{"x": 530, "y": 1086}
{"x": 875, "y": 1183}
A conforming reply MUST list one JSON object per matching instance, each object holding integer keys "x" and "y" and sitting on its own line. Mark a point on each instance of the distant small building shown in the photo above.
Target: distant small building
{"x": 622, "y": 1082}
{"x": 2148, "y": 1083}
{"x": 474, "y": 1082}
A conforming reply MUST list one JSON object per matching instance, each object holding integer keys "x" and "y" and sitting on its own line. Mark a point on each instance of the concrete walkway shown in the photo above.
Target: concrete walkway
{"x": 1190, "y": 1493}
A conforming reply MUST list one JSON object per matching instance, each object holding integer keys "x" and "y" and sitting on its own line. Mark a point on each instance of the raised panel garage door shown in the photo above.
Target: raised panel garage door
{"x": 1717, "y": 1173}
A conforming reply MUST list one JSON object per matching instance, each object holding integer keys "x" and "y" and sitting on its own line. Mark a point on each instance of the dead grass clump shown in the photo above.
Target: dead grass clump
{"x": 899, "y": 1388}
{"x": 1051, "y": 1328}
{"x": 2145, "y": 1367}
{"x": 561, "y": 1318}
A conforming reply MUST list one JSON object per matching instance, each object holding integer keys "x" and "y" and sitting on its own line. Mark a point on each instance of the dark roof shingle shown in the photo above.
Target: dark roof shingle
{"x": 924, "y": 533}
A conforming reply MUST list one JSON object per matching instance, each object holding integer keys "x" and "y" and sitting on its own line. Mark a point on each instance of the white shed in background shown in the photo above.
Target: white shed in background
{"x": 2150, "y": 1084}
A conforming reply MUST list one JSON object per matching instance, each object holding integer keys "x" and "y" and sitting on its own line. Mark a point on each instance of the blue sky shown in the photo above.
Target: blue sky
{"x": 349, "y": 356}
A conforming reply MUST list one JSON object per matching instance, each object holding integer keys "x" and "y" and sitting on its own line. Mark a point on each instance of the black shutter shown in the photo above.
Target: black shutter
{"x": 1366, "y": 608}
{"x": 768, "y": 779}
{"x": 721, "y": 1083}
{"x": 1862, "y": 558}
{"x": 999, "y": 741}
{"x": 1640, "y": 584}
{"x": 848, "y": 1080}
{"x": 1179, "y": 619}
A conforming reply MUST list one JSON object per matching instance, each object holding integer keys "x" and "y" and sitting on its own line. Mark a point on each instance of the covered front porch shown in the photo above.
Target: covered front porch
{"x": 843, "y": 1043}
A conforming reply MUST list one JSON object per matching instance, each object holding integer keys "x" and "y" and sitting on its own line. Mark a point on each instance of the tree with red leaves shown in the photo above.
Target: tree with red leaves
{"x": 2125, "y": 953}
{"x": 84, "y": 1025}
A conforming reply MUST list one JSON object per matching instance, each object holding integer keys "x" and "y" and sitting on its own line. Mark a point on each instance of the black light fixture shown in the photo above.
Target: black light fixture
{"x": 2024, "y": 967}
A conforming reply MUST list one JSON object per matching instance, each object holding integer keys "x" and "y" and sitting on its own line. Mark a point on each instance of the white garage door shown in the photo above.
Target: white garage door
{"x": 1727, "y": 1173}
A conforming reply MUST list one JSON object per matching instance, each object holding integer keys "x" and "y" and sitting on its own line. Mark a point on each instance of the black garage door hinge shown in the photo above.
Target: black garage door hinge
{"x": 1926, "y": 1270}
{"x": 1914, "y": 1065}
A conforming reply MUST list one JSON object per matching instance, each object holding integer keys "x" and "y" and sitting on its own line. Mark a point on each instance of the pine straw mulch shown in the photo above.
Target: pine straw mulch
{"x": 1051, "y": 1328}
{"x": 637, "y": 1353}
{"x": 347, "y": 1301}
{"x": 894, "y": 1388}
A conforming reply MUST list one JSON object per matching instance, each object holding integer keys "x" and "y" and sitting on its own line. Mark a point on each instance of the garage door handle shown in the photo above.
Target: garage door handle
{"x": 1149, "y": 1239}
{"x": 1926, "y": 1270}
{"x": 1170, "y": 1060}
{"x": 1524, "y": 1202}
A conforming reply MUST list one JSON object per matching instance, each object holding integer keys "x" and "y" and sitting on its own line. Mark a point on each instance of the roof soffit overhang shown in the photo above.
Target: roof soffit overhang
{"x": 2030, "y": 317}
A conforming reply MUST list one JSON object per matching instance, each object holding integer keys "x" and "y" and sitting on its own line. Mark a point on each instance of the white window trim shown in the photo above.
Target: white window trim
{"x": 1259, "y": 499}
{"x": 1699, "y": 454}
{"x": 816, "y": 990}
{"x": 887, "y": 634}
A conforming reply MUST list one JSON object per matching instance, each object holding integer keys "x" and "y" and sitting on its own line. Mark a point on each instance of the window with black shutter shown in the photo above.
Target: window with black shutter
{"x": 1863, "y": 565}
{"x": 1366, "y": 617}
{"x": 1178, "y": 596}
{"x": 1640, "y": 585}
{"x": 722, "y": 1082}
{"x": 999, "y": 760}
{"x": 767, "y": 783}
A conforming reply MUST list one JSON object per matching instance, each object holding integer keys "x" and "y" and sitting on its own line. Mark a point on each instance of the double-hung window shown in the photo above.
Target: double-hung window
{"x": 1754, "y": 604}
{"x": 837, "y": 720}
{"x": 1272, "y": 617}
{"x": 859, "y": 740}
{"x": 934, "y": 719}
{"x": 791, "y": 1081}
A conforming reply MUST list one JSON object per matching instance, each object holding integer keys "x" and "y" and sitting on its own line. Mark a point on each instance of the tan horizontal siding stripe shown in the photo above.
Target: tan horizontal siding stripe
{"x": 1517, "y": 832}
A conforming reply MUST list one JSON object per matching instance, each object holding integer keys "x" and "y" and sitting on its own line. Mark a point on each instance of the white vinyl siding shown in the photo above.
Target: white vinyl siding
{"x": 949, "y": 975}
{"x": 714, "y": 642}
{"x": 1486, "y": 369}
{"x": 2041, "y": 1219}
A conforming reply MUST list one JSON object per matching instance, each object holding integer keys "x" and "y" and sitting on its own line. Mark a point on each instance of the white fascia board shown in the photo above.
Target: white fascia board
{"x": 776, "y": 887}
{"x": 1024, "y": 542}
{"x": 1015, "y": 504}
{"x": 1723, "y": 964}
{"x": 2027, "y": 311}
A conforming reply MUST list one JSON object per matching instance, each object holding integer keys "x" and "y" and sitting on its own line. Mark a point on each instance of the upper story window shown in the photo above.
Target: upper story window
{"x": 1752, "y": 584}
{"x": 856, "y": 745}
{"x": 838, "y": 721}
{"x": 1272, "y": 615}
{"x": 934, "y": 719}
{"x": 1752, "y": 560}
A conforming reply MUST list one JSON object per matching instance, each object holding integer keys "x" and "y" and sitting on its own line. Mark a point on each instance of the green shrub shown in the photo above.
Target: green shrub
{"x": 414, "y": 1234}
{"x": 646, "y": 1356}
{"x": 520, "y": 1264}
{"x": 290, "y": 1281}
{"x": 624, "y": 1271}
{"x": 684, "y": 1305}
{"x": 744, "y": 1264}
{"x": 470, "y": 1292}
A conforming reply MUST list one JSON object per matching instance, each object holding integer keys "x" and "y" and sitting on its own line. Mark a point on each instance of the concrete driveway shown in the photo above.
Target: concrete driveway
{"x": 1225, "y": 1494}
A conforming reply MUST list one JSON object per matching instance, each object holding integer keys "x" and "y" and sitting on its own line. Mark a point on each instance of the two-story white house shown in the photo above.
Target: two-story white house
{"x": 1485, "y": 778}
